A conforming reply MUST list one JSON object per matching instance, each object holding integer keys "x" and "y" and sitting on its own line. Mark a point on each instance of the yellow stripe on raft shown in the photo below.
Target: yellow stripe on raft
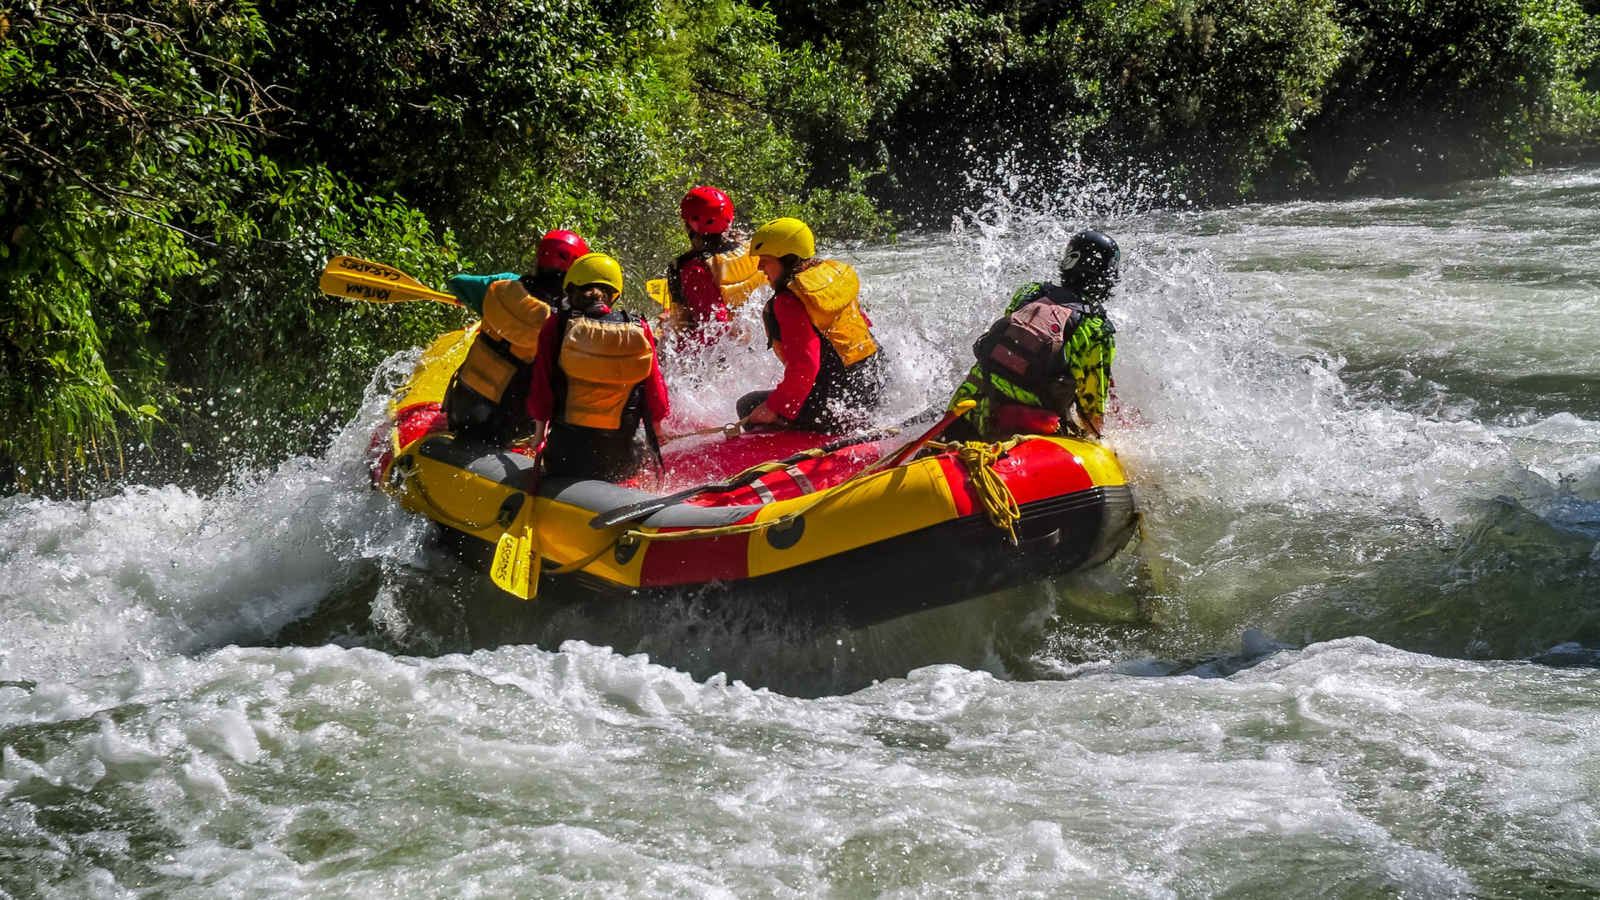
{"x": 455, "y": 497}
{"x": 471, "y": 504}
{"x": 891, "y": 503}
{"x": 1099, "y": 462}
{"x": 438, "y": 365}
{"x": 565, "y": 535}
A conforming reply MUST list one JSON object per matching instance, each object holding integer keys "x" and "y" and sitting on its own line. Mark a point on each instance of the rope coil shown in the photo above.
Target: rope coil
{"x": 998, "y": 501}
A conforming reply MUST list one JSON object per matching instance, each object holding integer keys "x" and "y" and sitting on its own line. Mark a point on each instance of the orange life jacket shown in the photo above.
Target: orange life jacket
{"x": 829, "y": 291}
{"x": 507, "y": 341}
{"x": 603, "y": 360}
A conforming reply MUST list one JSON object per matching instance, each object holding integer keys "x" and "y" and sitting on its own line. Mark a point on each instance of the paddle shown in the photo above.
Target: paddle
{"x": 358, "y": 279}
{"x": 910, "y": 450}
{"x": 656, "y": 288}
{"x": 729, "y": 431}
{"x": 642, "y": 509}
{"x": 515, "y": 569}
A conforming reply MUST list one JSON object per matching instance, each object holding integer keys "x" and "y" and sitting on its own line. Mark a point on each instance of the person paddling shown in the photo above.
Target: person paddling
{"x": 487, "y": 397}
{"x": 552, "y": 258}
{"x": 716, "y": 275}
{"x": 596, "y": 381}
{"x": 1045, "y": 367}
{"x": 831, "y": 362}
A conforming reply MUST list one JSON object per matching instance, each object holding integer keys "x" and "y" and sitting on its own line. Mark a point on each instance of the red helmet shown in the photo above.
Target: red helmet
{"x": 706, "y": 210}
{"x": 559, "y": 249}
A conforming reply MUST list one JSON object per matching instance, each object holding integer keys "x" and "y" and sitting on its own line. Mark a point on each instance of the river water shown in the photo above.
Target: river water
{"x": 1355, "y": 654}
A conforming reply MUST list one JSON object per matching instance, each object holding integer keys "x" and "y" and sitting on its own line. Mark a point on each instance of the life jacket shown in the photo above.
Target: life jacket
{"x": 738, "y": 275}
{"x": 604, "y": 362}
{"x": 1027, "y": 346}
{"x": 508, "y": 338}
{"x": 829, "y": 291}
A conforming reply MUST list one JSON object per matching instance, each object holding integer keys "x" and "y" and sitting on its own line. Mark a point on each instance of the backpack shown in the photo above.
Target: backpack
{"x": 1027, "y": 346}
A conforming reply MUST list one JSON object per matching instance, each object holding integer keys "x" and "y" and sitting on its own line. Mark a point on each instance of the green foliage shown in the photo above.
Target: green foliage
{"x": 155, "y": 258}
{"x": 1217, "y": 96}
{"x": 164, "y": 213}
{"x": 1438, "y": 89}
{"x": 125, "y": 128}
{"x": 1218, "y": 87}
{"x": 1203, "y": 90}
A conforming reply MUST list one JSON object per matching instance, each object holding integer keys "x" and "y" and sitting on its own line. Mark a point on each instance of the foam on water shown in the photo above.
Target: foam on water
{"x": 526, "y": 773}
{"x": 1338, "y": 434}
{"x": 156, "y": 571}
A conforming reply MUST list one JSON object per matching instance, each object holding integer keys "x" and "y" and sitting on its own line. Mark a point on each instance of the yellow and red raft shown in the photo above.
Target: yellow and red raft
{"x": 827, "y": 537}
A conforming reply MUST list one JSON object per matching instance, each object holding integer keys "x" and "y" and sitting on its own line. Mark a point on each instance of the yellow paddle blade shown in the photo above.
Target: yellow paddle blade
{"x": 515, "y": 569}
{"x": 657, "y": 289}
{"x": 358, "y": 279}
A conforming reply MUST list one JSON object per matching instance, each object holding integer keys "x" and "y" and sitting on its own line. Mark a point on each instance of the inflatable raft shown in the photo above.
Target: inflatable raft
{"x": 816, "y": 529}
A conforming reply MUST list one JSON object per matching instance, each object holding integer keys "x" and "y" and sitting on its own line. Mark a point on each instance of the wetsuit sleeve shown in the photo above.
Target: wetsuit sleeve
{"x": 701, "y": 296}
{"x": 655, "y": 386}
{"x": 1089, "y": 356}
{"x": 802, "y": 356}
{"x": 541, "y": 394}
{"x": 470, "y": 289}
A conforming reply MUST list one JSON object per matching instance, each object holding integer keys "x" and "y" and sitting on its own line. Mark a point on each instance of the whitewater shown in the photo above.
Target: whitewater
{"x": 1354, "y": 654}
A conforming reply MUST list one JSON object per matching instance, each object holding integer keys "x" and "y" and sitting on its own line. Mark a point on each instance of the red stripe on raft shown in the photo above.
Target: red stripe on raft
{"x": 1036, "y": 470}
{"x": 667, "y": 563}
{"x": 966, "y": 499}
{"x": 828, "y": 472}
{"x": 410, "y": 422}
{"x": 419, "y": 420}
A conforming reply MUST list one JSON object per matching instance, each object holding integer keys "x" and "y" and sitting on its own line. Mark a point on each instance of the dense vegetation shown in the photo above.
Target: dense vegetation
{"x": 174, "y": 172}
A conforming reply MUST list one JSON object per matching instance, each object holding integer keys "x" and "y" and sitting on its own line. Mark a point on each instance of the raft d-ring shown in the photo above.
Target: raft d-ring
{"x": 401, "y": 469}
{"x": 627, "y": 546}
{"x": 786, "y": 533}
{"x": 508, "y": 510}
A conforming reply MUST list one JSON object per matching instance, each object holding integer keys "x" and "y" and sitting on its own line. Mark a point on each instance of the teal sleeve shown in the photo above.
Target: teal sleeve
{"x": 470, "y": 289}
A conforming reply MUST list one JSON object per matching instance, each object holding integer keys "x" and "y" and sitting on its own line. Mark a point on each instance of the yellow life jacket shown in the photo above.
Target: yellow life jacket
{"x": 738, "y": 275}
{"x": 603, "y": 361}
{"x": 509, "y": 333}
{"x": 829, "y": 292}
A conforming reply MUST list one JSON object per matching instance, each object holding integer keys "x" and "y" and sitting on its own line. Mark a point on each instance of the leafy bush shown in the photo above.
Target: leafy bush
{"x": 174, "y": 173}
{"x": 165, "y": 214}
{"x": 1438, "y": 89}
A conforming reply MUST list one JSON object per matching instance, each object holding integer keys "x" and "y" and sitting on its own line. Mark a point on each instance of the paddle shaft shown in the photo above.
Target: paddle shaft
{"x": 729, "y": 431}
{"x": 910, "y": 450}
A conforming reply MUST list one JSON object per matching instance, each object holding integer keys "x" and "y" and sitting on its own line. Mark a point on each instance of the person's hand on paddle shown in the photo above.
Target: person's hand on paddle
{"x": 763, "y": 415}
{"x": 532, "y": 442}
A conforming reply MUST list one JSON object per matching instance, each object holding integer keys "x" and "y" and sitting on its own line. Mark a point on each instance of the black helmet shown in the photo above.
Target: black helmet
{"x": 1089, "y": 264}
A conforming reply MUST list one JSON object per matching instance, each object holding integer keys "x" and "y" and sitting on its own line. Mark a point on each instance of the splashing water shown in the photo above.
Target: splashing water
{"x": 1369, "y": 428}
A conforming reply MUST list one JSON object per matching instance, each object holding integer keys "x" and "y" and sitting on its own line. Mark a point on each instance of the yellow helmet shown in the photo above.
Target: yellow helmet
{"x": 782, "y": 237}
{"x": 595, "y": 268}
